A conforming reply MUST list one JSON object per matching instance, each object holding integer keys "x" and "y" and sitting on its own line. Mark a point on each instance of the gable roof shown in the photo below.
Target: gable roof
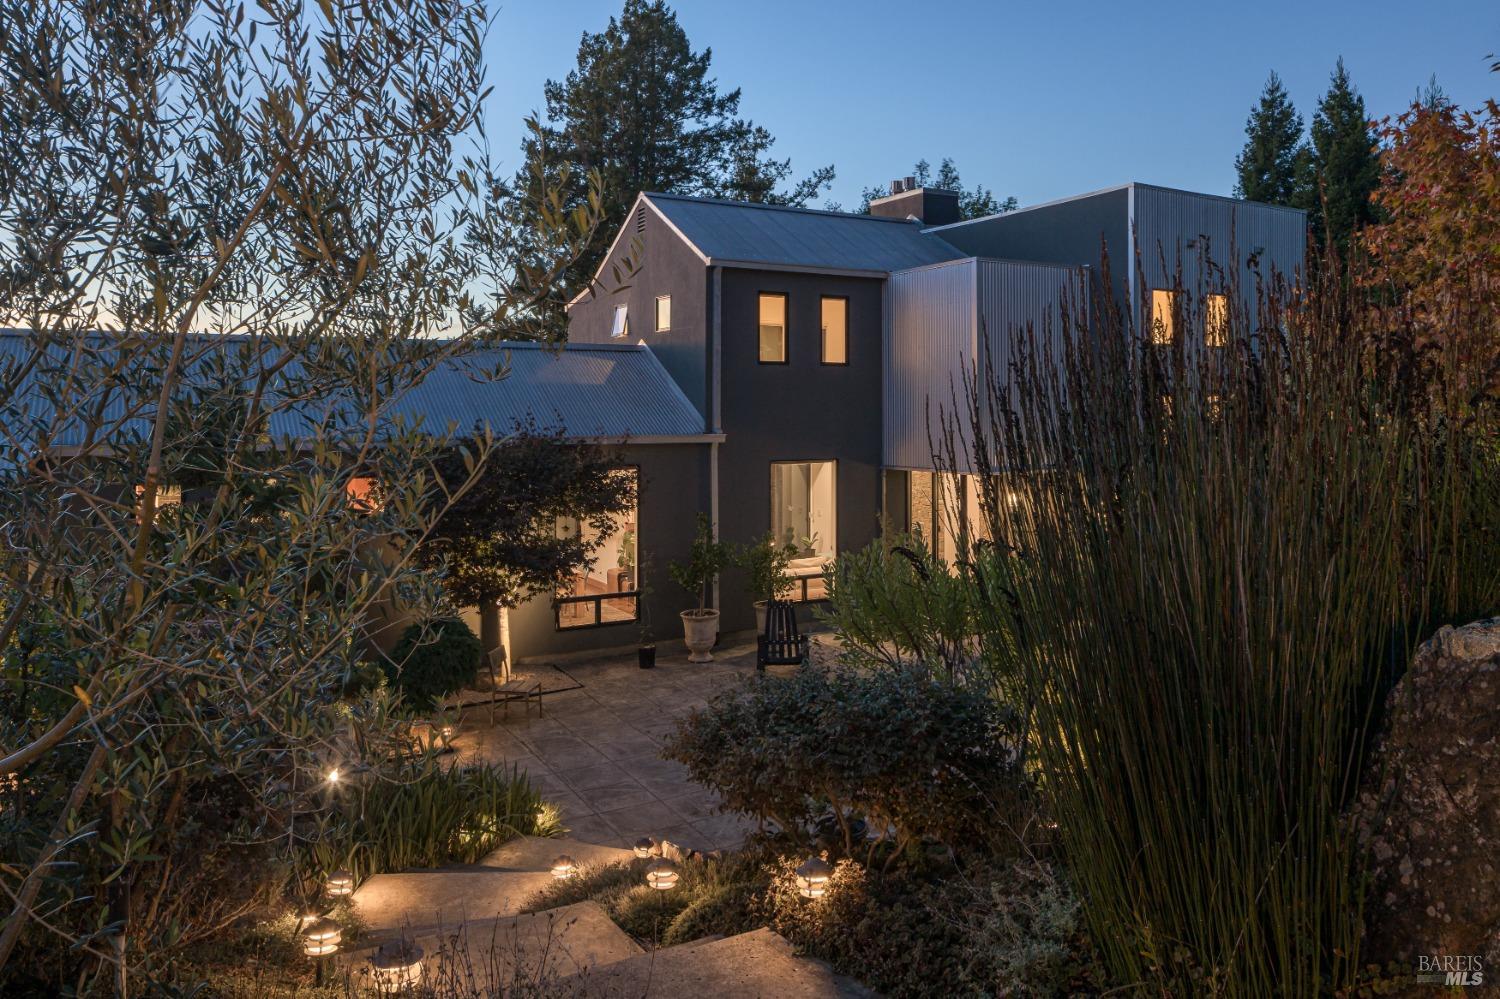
{"x": 588, "y": 391}
{"x": 740, "y": 233}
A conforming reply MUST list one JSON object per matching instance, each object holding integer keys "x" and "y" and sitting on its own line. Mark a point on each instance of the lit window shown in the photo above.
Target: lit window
{"x": 835, "y": 331}
{"x": 1163, "y": 323}
{"x": 621, "y": 324}
{"x": 804, "y": 498}
{"x": 1216, "y": 321}
{"x": 607, "y": 591}
{"x": 663, "y": 313}
{"x": 772, "y": 329}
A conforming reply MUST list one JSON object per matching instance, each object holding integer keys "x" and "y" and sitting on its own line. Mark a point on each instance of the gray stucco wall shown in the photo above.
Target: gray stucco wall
{"x": 799, "y": 411}
{"x": 668, "y": 266}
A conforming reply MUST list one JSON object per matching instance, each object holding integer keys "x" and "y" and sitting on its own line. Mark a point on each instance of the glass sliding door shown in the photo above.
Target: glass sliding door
{"x": 804, "y": 514}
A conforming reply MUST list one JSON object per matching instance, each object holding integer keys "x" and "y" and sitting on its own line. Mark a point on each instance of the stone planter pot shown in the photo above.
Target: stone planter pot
{"x": 700, "y": 631}
{"x": 760, "y": 617}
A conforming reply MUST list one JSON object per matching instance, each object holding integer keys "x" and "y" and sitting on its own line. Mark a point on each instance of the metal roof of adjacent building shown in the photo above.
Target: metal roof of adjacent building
{"x": 588, "y": 391}
{"x": 775, "y": 236}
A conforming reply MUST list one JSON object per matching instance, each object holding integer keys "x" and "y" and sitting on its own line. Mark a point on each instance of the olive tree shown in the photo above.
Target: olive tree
{"x": 231, "y": 239}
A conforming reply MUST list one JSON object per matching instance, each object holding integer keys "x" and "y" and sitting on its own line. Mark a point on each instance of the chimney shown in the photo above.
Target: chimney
{"x": 930, "y": 205}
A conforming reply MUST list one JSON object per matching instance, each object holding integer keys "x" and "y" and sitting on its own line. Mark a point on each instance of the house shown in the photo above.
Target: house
{"x": 784, "y": 370}
{"x": 819, "y": 347}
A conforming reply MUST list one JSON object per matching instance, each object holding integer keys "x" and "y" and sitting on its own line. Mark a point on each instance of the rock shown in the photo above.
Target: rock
{"x": 1428, "y": 814}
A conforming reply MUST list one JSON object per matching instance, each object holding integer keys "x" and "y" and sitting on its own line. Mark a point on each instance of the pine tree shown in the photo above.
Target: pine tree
{"x": 1345, "y": 164}
{"x": 1273, "y": 166}
{"x": 973, "y": 203}
{"x": 642, "y": 109}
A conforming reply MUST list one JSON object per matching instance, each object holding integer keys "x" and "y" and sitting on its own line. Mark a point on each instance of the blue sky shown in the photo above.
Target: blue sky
{"x": 1031, "y": 99}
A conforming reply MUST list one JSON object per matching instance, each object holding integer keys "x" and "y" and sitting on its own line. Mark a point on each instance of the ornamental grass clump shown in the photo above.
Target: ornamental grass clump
{"x": 1219, "y": 545}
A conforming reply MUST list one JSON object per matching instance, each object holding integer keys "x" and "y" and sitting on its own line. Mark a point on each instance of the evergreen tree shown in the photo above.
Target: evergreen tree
{"x": 1274, "y": 165}
{"x": 1345, "y": 163}
{"x": 643, "y": 112}
{"x": 973, "y": 203}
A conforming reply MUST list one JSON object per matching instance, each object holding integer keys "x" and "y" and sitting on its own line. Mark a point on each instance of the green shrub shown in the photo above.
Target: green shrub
{"x": 923, "y": 758}
{"x": 726, "y": 909}
{"x": 427, "y": 815}
{"x": 767, "y": 567}
{"x": 433, "y": 660}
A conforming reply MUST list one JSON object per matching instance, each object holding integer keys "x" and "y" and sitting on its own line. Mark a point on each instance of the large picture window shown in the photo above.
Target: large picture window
{"x": 1216, "y": 320}
{"x": 609, "y": 590}
{"x": 1163, "y": 317}
{"x": 772, "y": 328}
{"x": 835, "y": 330}
{"x": 804, "y": 511}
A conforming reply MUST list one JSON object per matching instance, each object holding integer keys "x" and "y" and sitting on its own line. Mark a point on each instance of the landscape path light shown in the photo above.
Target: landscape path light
{"x": 645, "y": 847}
{"x": 397, "y": 965}
{"x": 812, "y": 877}
{"x": 321, "y": 937}
{"x": 564, "y": 867}
{"x": 662, "y": 874}
{"x": 340, "y": 883}
{"x": 333, "y": 776}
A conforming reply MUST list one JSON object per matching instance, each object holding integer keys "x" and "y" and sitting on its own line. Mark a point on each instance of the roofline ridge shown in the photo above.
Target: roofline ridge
{"x": 698, "y": 199}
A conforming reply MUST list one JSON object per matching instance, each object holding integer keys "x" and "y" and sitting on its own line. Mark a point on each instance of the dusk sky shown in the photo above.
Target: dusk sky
{"x": 1031, "y": 99}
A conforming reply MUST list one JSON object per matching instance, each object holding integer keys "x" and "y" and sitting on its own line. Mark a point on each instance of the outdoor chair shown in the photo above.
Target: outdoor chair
{"x": 783, "y": 644}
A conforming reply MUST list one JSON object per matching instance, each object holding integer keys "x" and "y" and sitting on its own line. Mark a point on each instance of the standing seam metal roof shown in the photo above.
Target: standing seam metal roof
{"x": 589, "y": 391}
{"x": 776, "y": 235}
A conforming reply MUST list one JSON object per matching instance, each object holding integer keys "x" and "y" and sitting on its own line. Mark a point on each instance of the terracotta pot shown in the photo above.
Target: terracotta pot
{"x": 700, "y": 631}
{"x": 760, "y": 617}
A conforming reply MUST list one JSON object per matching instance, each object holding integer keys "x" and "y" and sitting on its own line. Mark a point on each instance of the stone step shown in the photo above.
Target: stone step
{"x": 490, "y": 955}
{"x": 755, "y": 965}
{"x": 535, "y": 853}
{"x": 423, "y": 901}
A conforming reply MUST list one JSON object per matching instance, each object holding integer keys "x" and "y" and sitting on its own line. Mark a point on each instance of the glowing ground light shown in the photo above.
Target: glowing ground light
{"x": 321, "y": 938}
{"x": 397, "y": 965}
{"x": 564, "y": 867}
{"x": 645, "y": 847}
{"x": 662, "y": 874}
{"x": 812, "y": 877}
{"x": 333, "y": 776}
{"x": 340, "y": 883}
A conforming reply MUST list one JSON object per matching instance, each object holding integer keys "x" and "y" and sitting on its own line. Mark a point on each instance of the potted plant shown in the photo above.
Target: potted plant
{"x": 706, "y": 559}
{"x": 646, "y": 651}
{"x": 768, "y": 569}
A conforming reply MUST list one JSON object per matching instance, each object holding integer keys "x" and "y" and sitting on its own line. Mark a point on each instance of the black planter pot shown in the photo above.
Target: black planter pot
{"x": 647, "y": 654}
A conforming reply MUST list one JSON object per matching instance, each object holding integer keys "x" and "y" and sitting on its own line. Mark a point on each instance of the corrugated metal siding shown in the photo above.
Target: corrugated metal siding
{"x": 597, "y": 390}
{"x": 930, "y": 343}
{"x": 778, "y": 236}
{"x": 1177, "y": 226}
{"x": 1015, "y": 297}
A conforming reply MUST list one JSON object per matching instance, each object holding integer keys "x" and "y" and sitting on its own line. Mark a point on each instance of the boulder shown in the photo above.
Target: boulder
{"x": 1428, "y": 814}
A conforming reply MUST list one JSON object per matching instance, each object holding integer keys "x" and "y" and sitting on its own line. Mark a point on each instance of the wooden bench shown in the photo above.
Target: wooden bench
{"x": 783, "y": 643}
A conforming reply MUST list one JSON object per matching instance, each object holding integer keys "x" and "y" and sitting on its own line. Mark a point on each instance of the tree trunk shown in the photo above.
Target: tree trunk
{"x": 494, "y": 630}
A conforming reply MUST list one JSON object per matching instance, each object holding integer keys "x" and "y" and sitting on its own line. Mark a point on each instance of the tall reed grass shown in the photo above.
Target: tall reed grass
{"x": 1218, "y": 550}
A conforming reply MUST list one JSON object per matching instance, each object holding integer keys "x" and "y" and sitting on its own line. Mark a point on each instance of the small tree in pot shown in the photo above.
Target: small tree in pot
{"x": 768, "y": 567}
{"x": 706, "y": 559}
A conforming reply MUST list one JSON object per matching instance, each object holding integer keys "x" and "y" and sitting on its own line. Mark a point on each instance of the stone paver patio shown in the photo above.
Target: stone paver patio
{"x": 594, "y": 750}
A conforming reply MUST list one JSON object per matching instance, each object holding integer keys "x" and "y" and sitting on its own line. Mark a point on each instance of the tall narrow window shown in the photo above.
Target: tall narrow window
{"x": 663, "y": 313}
{"x": 607, "y": 591}
{"x": 621, "y": 324}
{"x": 1163, "y": 321}
{"x": 835, "y": 330}
{"x": 804, "y": 500}
{"x": 1216, "y": 320}
{"x": 772, "y": 329}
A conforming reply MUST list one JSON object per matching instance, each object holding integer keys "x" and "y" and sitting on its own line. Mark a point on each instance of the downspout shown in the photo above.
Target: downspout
{"x": 715, "y": 403}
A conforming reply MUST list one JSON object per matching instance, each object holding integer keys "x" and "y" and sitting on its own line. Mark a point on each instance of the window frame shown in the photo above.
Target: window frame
{"x": 800, "y": 582}
{"x": 823, "y": 332}
{"x": 1215, "y": 336}
{"x": 786, "y": 323}
{"x": 659, "y": 327}
{"x": 1170, "y": 324}
{"x": 621, "y": 311}
{"x": 635, "y": 593}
